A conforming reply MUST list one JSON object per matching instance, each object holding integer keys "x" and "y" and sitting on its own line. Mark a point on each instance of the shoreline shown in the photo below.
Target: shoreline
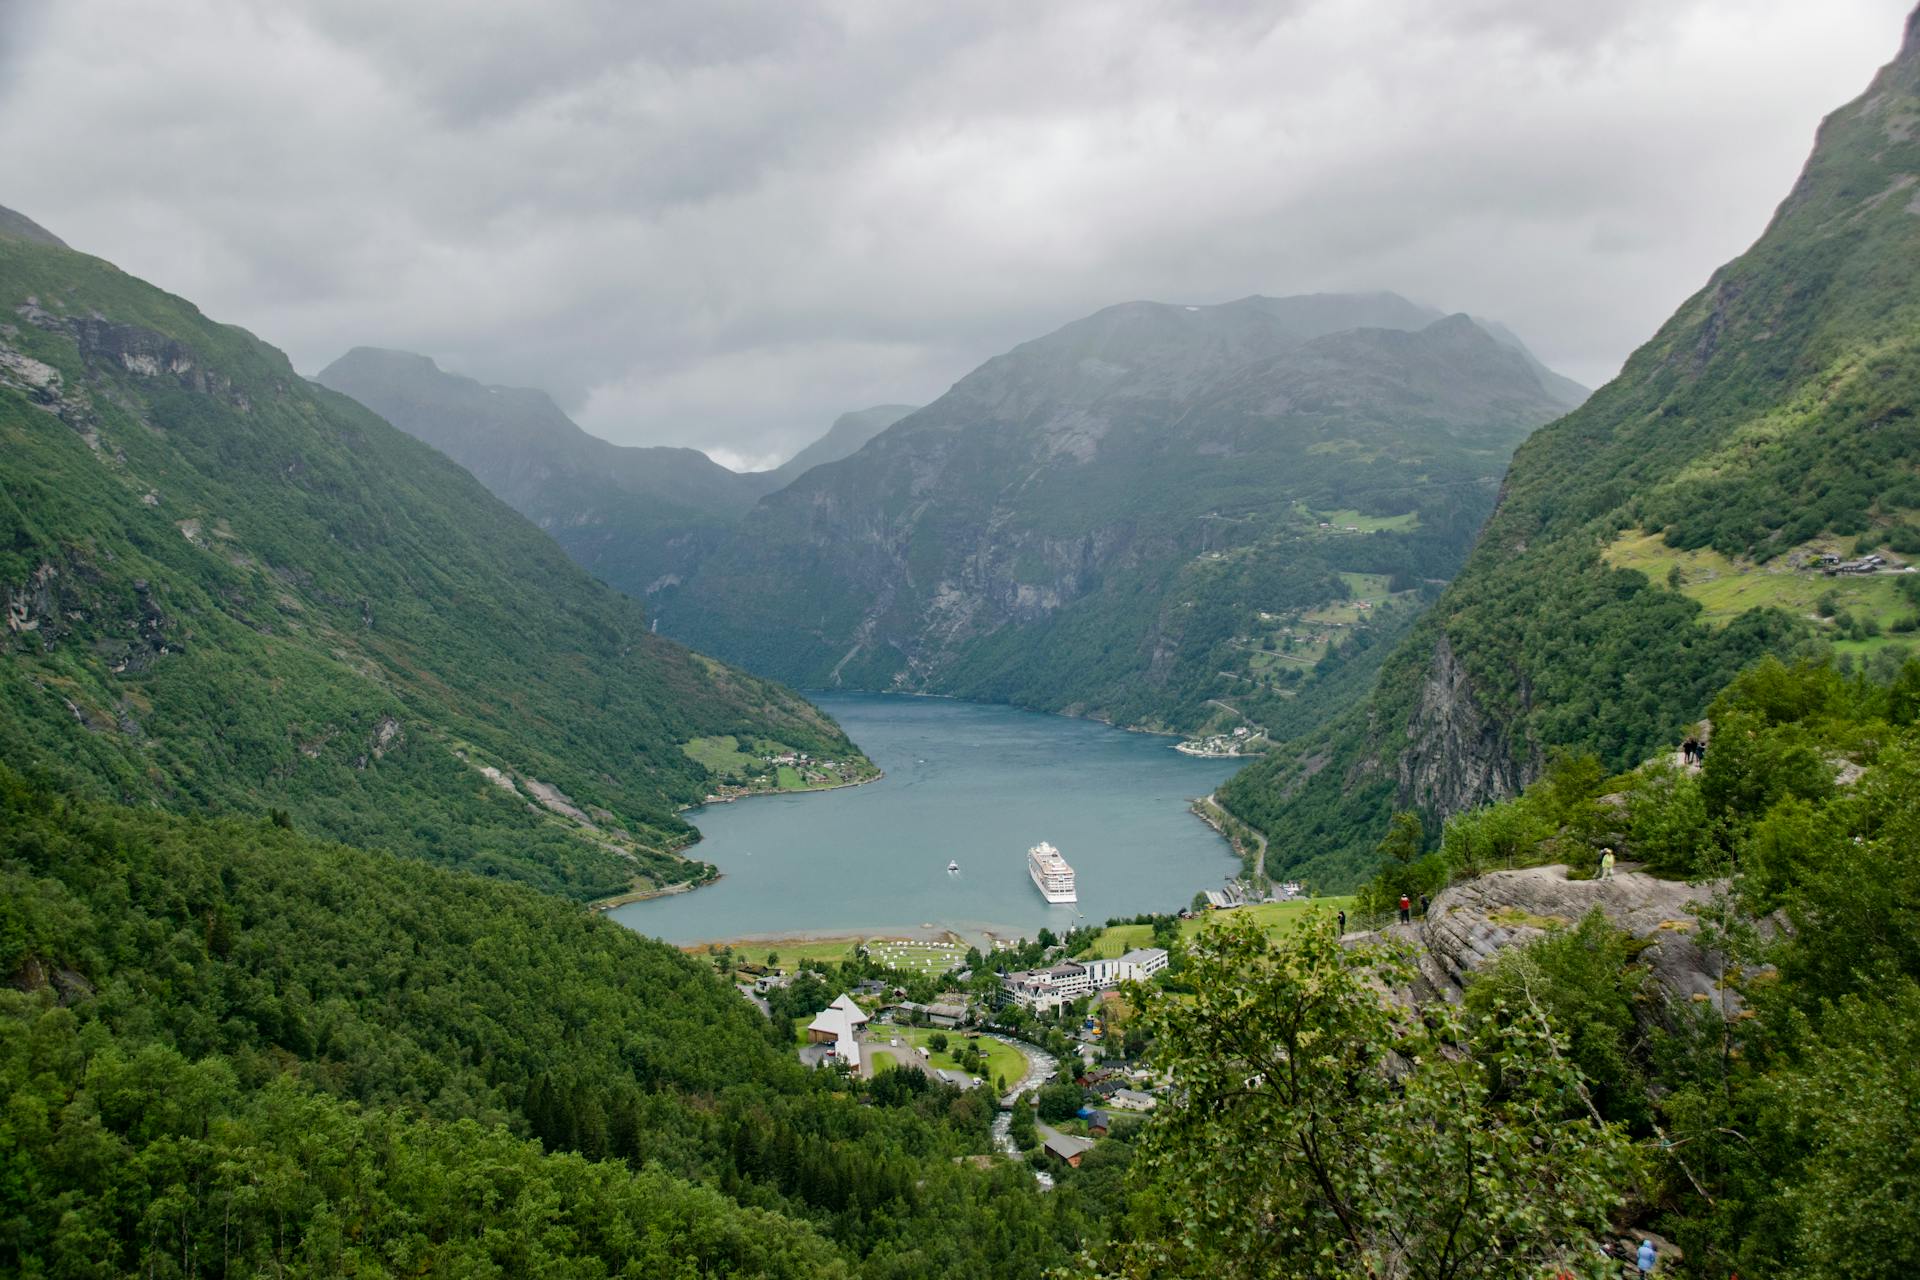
{"x": 879, "y": 774}
{"x": 658, "y": 891}
{"x": 1010, "y": 706}
{"x": 926, "y": 933}
{"x": 600, "y": 906}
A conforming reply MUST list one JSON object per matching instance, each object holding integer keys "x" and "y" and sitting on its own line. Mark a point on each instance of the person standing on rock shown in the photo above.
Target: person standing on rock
{"x": 1606, "y": 864}
{"x": 1423, "y": 906}
{"x": 1649, "y": 1257}
{"x": 1343, "y": 924}
{"x": 1406, "y": 909}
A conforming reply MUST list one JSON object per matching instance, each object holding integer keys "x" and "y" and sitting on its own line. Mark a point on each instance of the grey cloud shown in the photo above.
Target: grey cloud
{"x": 719, "y": 223}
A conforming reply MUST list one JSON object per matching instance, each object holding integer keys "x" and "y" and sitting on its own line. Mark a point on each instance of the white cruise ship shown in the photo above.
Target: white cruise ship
{"x": 1051, "y": 874}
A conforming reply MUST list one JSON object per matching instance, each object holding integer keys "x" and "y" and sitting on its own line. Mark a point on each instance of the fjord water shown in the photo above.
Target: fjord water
{"x": 967, "y": 783}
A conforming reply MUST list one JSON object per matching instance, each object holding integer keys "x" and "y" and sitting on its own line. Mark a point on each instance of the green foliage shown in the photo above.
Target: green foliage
{"x": 1060, "y": 1100}
{"x": 1668, "y": 826}
{"x": 1024, "y": 1132}
{"x": 1290, "y": 1148}
{"x": 1405, "y": 839}
{"x": 147, "y": 1162}
{"x": 228, "y": 1036}
{"x": 234, "y": 591}
{"x": 1586, "y": 983}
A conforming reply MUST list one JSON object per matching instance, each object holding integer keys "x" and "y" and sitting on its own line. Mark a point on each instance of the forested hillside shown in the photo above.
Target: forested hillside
{"x": 1729, "y": 1062}
{"x": 230, "y": 1049}
{"x": 228, "y": 589}
{"x": 1167, "y": 516}
{"x": 1669, "y": 531}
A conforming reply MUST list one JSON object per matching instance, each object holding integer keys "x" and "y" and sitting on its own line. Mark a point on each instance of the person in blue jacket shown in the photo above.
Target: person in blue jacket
{"x": 1647, "y": 1257}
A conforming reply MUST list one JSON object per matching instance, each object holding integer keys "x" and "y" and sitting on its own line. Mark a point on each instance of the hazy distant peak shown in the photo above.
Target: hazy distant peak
{"x": 847, "y": 436}
{"x": 1562, "y": 388}
{"x": 387, "y": 357}
{"x": 18, "y": 226}
{"x": 369, "y": 369}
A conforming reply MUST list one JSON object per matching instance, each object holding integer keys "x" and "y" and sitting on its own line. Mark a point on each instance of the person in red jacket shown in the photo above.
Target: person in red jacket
{"x": 1406, "y": 909}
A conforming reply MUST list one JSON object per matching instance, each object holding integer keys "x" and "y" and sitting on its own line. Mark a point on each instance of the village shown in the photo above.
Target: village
{"x": 1045, "y": 1041}
{"x": 761, "y": 767}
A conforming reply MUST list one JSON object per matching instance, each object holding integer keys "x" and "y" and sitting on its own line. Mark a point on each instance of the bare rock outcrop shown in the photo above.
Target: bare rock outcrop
{"x": 1471, "y": 923}
{"x": 1458, "y": 756}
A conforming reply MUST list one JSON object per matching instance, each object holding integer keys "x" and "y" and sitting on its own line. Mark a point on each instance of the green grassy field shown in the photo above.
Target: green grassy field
{"x": 791, "y": 952}
{"x": 1274, "y": 918}
{"x": 931, "y": 958}
{"x": 1341, "y": 520}
{"x": 721, "y": 754}
{"x": 1727, "y": 588}
{"x": 1002, "y": 1059}
{"x": 789, "y": 778}
{"x": 1367, "y": 586}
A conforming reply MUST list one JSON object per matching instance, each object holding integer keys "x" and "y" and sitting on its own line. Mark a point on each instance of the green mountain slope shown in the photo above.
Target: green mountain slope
{"x": 640, "y": 519}
{"x": 229, "y": 589}
{"x": 1655, "y": 540}
{"x": 230, "y": 1043}
{"x": 1162, "y": 515}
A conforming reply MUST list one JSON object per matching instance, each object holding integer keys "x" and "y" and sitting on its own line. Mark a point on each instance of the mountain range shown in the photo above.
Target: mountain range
{"x": 640, "y": 519}
{"x": 230, "y": 590}
{"x": 1162, "y": 515}
{"x": 1668, "y": 532}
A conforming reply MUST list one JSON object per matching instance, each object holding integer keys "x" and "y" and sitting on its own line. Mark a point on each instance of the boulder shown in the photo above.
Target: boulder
{"x": 1471, "y": 923}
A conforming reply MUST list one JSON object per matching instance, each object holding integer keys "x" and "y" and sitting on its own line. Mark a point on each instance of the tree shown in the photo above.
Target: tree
{"x": 937, "y": 1042}
{"x": 1405, "y": 838}
{"x": 1364, "y": 1142}
{"x": 1059, "y": 1100}
{"x": 1023, "y": 1131}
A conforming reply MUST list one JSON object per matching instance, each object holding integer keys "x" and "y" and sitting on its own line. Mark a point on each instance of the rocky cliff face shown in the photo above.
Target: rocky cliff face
{"x": 1458, "y": 756}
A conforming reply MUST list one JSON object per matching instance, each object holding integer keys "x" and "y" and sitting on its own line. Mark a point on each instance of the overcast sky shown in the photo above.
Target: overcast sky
{"x": 720, "y": 224}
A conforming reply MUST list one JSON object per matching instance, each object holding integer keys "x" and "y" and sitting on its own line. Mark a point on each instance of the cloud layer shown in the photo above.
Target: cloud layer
{"x": 720, "y": 224}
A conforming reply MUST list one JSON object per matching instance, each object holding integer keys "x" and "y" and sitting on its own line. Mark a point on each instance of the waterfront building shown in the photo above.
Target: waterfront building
{"x": 1044, "y": 989}
{"x": 1135, "y": 966}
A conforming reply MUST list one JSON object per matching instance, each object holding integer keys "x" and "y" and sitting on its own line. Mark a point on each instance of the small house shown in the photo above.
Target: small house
{"x": 1067, "y": 1148}
{"x": 1098, "y": 1122}
{"x": 946, "y": 1015}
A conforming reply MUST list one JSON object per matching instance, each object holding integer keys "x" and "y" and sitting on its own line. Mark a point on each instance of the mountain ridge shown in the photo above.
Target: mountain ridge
{"x": 1767, "y": 422}
{"x": 228, "y": 589}
{"x": 639, "y": 517}
{"x": 1049, "y": 506}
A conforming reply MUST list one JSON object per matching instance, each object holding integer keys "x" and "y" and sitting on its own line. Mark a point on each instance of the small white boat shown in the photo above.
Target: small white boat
{"x": 953, "y": 866}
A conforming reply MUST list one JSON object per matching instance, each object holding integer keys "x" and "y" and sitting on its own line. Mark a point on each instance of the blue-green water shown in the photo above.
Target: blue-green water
{"x": 964, "y": 782}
